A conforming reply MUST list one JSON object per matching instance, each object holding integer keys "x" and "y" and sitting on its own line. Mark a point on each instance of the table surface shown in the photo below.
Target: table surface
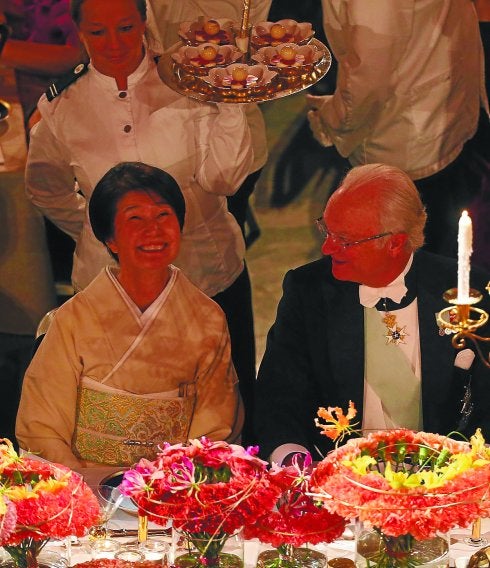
{"x": 460, "y": 551}
{"x": 342, "y": 548}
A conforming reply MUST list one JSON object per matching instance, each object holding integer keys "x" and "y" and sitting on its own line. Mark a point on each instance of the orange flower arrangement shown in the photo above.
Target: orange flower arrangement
{"x": 408, "y": 486}
{"x": 40, "y": 500}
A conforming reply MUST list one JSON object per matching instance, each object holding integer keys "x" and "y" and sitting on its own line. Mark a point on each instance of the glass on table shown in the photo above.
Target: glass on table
{"x": 129, "y": 553}
{"x": 154, "y": 549}
{"x": 110, "y": 499}
{"x": 104, "y": 548}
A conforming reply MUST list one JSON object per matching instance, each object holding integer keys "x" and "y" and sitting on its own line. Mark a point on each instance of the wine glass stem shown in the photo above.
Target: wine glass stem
{"x": 476, "y": 530}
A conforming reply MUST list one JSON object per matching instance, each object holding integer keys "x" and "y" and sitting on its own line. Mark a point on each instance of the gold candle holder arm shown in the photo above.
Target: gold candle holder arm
{"x": 463, "y": 320}
{"x": 245, "y": 18}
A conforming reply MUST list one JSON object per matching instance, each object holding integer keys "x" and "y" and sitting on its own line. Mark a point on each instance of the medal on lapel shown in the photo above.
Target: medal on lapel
{"x": 394, "y": 333}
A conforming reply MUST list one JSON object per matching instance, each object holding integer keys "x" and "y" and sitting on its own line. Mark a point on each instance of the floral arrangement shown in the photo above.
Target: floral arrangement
{"x": 402, "y": 481}
{"x": 296, "y": 518}
{"x": 337, "y": 424}
{"x": 40, "y": 500}
{"x": 209, "y": 489}
{"x": 408, "y": 487}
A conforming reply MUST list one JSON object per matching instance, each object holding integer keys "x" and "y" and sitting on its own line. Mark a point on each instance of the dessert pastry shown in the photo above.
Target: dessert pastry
{"x": 199, "y": 59}
{"x": 289, "y": 58}
{"x": 240, "y": 77}
{"x": 284, "y": 31}
{"x": 211, "y": 32}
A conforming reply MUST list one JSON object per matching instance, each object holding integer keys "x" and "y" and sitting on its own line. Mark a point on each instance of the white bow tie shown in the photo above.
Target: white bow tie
{"x": 369, "y": 297}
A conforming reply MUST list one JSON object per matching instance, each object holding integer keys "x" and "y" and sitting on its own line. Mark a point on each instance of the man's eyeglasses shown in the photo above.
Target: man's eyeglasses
{"x": 338, "y": 241}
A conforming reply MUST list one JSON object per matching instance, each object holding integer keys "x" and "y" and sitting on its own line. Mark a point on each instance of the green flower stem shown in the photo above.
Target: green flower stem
{"x": 209, "y": 546}
{"x": 24, "y": 555}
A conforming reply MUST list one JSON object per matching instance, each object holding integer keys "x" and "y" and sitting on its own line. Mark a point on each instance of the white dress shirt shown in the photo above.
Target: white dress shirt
{"x": 409, "y": 83}
{"x": 374, "y": 417}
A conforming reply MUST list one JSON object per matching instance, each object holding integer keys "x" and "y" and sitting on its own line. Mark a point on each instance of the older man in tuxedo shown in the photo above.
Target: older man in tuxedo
{"x": 360, "y": 325}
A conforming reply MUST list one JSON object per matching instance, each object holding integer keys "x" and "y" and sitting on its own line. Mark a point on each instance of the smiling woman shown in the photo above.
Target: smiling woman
{"x": 111, "y": 37}
{"x": 141, "y": 356}
{"x": 138, "y": 212}
{"x": 118, "y": 109}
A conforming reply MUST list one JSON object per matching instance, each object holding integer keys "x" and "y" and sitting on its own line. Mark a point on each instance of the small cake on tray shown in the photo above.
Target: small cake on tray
{"x": 289, "y": 58}
{"x": 217, "y": 31}
{"x": 200, "y": 59}
{"x": 266, "y": 34}
{"x": 240, "y": 77}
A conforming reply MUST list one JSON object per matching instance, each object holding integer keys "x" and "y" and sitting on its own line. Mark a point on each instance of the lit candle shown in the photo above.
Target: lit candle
{"x": 465, "y": 238}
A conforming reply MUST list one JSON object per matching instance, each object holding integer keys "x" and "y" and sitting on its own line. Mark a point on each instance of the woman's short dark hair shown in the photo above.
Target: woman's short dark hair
{"x": 126, "y": 177}
{"x": 76, "y": 8}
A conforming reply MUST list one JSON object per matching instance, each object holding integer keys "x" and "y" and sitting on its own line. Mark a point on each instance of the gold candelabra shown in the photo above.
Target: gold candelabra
{"x": 463, "y": 319}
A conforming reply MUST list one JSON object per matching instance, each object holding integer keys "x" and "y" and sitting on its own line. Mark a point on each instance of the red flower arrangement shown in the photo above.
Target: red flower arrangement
{"x": 41, "y": 500}
{"x": 209, "y": 489}
{"x": 403, "y": 482}
{"x": 203, "y": 486}
{"x": 296, "y": 518}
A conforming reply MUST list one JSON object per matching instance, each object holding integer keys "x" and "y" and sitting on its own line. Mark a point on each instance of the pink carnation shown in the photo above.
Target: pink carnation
{"x": 7, "y": 520}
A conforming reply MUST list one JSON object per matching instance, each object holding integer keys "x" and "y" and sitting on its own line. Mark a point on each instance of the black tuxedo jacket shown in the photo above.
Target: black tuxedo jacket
{"x": 315, "y": 356}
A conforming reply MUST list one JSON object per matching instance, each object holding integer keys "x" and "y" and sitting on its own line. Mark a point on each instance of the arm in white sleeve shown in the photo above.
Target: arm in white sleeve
{"x": 50, "y": 183}
{"x": 47, "y": 410}
{"x": 368, "y": 45}
{"x": 224, "y": 148}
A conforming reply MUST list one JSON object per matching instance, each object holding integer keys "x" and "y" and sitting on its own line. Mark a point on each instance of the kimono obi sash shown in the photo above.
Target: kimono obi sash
{"x": 122, "y": 427}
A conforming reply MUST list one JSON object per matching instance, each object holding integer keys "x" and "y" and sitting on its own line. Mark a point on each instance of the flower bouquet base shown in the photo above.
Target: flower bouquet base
{"x": 383, "y": 551}
{"x": 195, "y": 560}
{"x": 291, "y": 558}
{"x": 46, "y": 559}
{"x": 199, "y": 550}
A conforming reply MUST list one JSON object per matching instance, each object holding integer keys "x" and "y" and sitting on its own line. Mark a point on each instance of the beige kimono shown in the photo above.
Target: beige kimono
{"x": 107, "y": 386}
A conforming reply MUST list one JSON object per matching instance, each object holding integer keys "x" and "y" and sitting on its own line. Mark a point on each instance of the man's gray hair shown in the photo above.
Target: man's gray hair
{"x": 398, "y": 204}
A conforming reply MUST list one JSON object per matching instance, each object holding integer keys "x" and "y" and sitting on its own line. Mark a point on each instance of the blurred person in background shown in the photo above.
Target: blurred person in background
{"x": 410, "y": 93}
{"x": 42, "y": 44}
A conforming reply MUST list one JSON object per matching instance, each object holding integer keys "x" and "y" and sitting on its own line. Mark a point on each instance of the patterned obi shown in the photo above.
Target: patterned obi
{"x": 115, "y": 427}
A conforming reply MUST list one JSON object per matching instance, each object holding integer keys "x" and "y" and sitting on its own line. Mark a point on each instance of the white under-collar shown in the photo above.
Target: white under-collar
{"x": 395, "y": 290}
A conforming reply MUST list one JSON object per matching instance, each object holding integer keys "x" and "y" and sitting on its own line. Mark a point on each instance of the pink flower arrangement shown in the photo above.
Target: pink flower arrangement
{"x": 204, "y": 486}
{"x": 407, "y": 483}
{"x": 40, "y": 500}
{"x": 296, "y": 519}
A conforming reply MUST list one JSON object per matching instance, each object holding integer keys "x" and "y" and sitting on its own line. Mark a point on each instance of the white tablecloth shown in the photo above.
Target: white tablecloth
{"x": 460, "y": 551}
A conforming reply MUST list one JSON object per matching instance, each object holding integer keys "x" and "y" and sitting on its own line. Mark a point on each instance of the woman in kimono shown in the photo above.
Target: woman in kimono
{"x": 139, "y": 357}
{"x": 117, "y": 109}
